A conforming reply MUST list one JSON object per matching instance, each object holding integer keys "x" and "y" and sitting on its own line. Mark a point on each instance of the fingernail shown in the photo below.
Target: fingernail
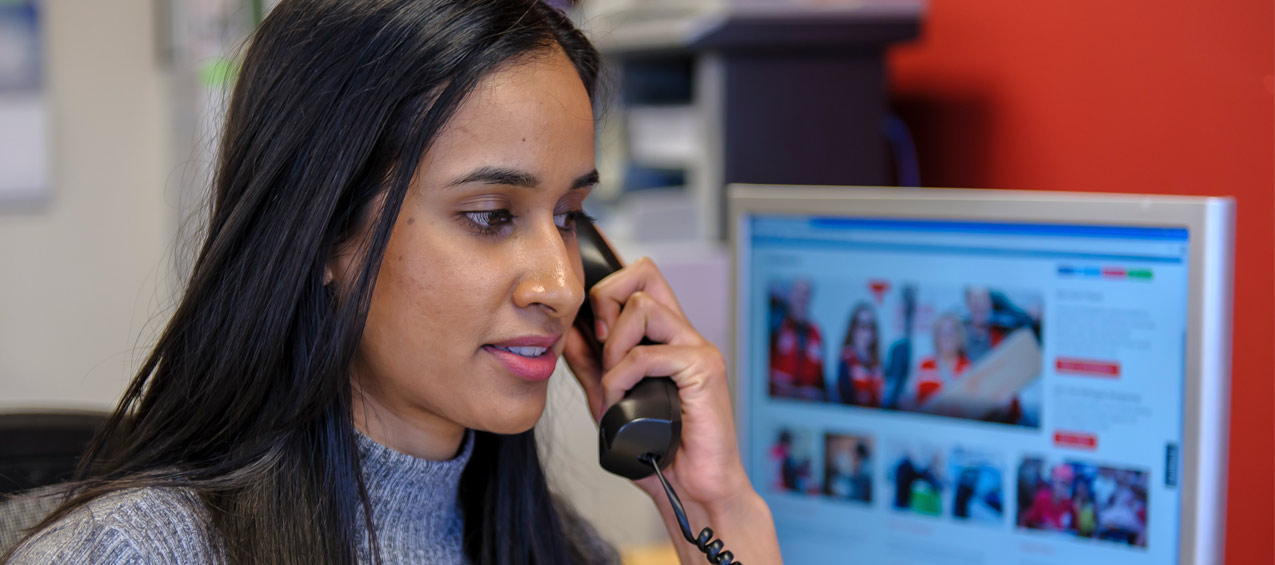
{"x": 600, "y": 330}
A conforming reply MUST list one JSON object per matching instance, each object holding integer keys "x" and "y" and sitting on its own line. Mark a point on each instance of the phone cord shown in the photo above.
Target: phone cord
{"x": 713, "y": 549}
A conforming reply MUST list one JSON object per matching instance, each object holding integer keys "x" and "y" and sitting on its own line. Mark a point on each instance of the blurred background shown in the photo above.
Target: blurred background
{"x": 109, "y": 113}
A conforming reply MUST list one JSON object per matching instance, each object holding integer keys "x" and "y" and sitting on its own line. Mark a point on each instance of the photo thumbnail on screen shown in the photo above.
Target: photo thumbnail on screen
{"x": 796, "y": 343}
{"x": 916, "y": 473}
{"x": 792, "y": 461}
{"x": 979, "y": 491}
{"x": 848, "y": 468}
{"x": 971, "y": 352}
{"x": 1083, "y": 500}
{"x": 975, "y": 353}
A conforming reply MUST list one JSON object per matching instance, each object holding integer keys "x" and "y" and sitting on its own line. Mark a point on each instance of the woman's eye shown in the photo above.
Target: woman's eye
{"x": 566, "y": 221}
{"x": 489, "y": 221}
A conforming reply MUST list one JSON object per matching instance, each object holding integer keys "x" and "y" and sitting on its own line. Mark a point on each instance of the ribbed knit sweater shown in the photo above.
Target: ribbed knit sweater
{"x": 414, "y": 507}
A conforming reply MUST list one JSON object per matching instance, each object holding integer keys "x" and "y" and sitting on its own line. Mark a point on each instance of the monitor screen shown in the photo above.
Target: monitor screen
{"x": 963, "y": 392}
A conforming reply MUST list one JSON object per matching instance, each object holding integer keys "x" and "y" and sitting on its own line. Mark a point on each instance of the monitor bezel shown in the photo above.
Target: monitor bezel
{"x": 1210, "y": 225}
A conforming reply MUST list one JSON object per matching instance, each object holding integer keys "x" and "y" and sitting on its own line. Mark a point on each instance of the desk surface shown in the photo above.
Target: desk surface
{"x": 649, "y": 555}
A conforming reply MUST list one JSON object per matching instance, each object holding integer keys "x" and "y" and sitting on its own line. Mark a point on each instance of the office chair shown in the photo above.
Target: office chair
{"x": 38, "y": 450}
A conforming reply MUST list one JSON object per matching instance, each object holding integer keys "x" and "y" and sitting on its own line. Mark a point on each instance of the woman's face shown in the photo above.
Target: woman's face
{"x": 481, "y": 278}
{"x": 865, "y": 329}
{"x": 1082, "y": 490}
{"x": 1061, "y": 487}
{"x": 948, "y": 337}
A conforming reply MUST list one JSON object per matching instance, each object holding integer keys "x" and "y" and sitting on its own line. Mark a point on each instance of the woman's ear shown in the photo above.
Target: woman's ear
{"x": 337, "y": 266}
{"x": 343, "y": 263}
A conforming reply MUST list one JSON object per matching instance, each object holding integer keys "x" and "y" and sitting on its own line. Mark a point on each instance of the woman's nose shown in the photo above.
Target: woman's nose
{"x": 550, "y": 273}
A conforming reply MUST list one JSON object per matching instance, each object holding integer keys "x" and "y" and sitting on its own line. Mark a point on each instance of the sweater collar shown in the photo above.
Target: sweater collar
{"x": 404, "y": 489}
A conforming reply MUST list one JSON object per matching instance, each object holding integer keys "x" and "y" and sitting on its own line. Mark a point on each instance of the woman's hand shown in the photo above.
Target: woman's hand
{"x": 635, "y": 303}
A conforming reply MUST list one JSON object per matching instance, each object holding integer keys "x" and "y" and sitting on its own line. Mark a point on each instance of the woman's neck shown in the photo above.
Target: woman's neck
{"x": 950, "y": 360}
{"x": 422, "y": 435}
{"x": 861, "y": 351}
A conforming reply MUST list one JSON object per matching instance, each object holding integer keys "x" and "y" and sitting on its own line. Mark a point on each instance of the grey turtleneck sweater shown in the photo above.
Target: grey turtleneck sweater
{"x": 414, "y": 506}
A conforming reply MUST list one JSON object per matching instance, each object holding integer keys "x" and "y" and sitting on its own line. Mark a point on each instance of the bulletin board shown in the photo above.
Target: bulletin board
{"x": 24, "y": 130}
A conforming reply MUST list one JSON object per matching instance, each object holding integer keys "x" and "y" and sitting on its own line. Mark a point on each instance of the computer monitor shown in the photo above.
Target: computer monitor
{"x": 929, "y": 376}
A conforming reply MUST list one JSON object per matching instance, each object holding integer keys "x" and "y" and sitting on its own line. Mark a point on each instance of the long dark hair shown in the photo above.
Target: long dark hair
{"x": 874, "y": 349}
{"x": 246, "y": 398}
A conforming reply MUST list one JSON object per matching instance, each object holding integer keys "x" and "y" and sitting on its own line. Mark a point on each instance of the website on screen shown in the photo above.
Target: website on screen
{"x": 925, "y": 392}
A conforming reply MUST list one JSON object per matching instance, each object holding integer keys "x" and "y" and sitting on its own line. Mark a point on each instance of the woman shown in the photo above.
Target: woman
{"x": 946, "y": 365}
{"x": 1052, "y": 508}
{"x": 389, "y": 275}
{"x": 847, "y": 468}
{"x": 1085, "y": 508}
{"x": 860, "y": 379}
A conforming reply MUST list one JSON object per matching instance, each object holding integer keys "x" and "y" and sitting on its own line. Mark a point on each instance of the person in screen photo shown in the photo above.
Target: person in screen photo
{"x": 796, "y": 349}
{"x": 918, "y": 482}
{"x": 860, "y": 380}
{"x": 990, "y": 317}
{"x": 1052, "y": 508}
{"x": 1086, "y": 509}
{"x": 1030, "y": 471}
{"x": 978, "y": 494}
{"x": 898, "y": 360}
{"x": 790, "y": 461}
{"x": 847, "y": 467}
{"x": 1122, "y": 515}
{"x": 947, "y": 364}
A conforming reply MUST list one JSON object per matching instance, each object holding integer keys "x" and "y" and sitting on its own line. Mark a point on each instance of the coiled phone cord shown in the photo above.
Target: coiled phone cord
{"x": 715, "y": 550}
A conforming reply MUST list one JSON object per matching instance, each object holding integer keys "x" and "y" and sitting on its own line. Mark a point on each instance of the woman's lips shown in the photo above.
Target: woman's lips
{"x": 531, "y": 358}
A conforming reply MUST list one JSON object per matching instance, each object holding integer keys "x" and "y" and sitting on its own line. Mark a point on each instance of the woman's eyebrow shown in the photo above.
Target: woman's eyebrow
{"x": 589, "y": 179}
{"x": 497, "y": 175}
{"x": 514, "y": 177}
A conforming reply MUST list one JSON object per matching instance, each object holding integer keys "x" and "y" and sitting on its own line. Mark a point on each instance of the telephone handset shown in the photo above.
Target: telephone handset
{"x": 648, "y": 421}
{"x": 640, "y": 434}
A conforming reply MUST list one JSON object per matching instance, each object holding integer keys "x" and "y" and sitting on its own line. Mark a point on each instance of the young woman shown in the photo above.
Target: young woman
{"x": 946, "y": 365}
{"x": 389, "y": 276}
{"x": 860, "y": 379}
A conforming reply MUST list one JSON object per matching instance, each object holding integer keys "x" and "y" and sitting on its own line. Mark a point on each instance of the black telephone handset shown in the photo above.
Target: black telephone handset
{"x": 640, "y": 434}
{"x": 648, "y": 421}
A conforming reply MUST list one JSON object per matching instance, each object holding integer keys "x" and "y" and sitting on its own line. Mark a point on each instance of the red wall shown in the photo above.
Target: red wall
{"x": 1148, "y": 96}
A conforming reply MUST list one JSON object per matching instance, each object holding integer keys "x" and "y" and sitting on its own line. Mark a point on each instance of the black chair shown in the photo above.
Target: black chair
{"x": 38, "y": 450}
{"x": 42, "y": 448}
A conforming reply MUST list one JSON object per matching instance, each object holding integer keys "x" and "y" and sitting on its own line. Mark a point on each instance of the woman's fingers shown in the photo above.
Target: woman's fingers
{"x": 611, "y": 294}
{"x": 644, "y": 316}
{"x": 587, "y": 370}
{"x": 692, "y": 368}
{"x": 630, "y": 305}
